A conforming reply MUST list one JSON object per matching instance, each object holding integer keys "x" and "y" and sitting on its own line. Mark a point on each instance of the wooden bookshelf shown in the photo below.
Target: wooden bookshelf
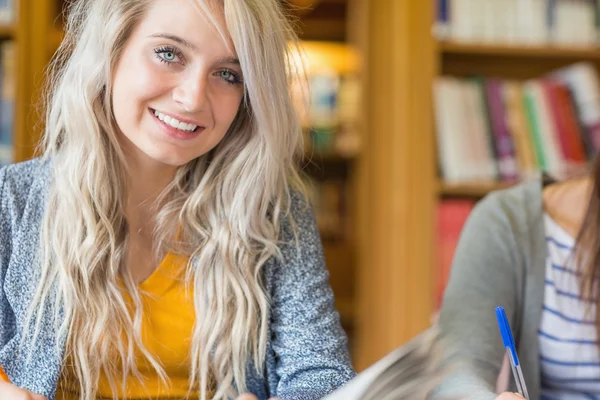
{"x": 397, "y": 178}
{"x": 520, "y": 51}
{"x": 8, "y": 31}
{"x": 400, "y": 180}
{"x": 474, "y": 190}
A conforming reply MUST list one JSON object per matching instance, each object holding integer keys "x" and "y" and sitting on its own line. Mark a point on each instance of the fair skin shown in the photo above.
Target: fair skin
{"x": 566, "y": 203}
{"x": 176, "y": 67}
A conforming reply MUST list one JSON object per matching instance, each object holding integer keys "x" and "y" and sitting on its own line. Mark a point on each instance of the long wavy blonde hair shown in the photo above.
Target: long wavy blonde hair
{"x": 227, "y": 205}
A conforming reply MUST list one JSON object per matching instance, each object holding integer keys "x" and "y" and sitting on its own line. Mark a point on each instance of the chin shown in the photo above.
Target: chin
{"x": 173, "y": 161}
{"x": 168, "y": 158}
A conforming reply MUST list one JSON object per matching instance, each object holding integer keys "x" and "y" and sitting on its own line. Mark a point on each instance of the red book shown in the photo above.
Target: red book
{"x": 451, "y": 216}
{"x": 558, "y": 118}
{"x": 574, "y": 134}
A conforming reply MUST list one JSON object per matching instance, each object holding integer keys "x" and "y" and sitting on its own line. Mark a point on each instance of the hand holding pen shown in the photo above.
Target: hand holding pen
{"x": 511, "y": 350}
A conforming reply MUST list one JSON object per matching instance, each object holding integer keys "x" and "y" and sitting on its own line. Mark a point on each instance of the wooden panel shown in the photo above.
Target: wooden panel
{"x": 21, "y": 98}
{"x": 519, "y": 62}
{"x": 504, "y": 67}
{"x": 8, "y": 31}
{"x": 33, "y": 58}
{"x": 320, "y": 19}
{"x": 54, "y": 39}
{"x": 322, "y": 29}
{"x": 395, "y": 271}
{"x": 472, "y": 190}
{"x": 540, "y": 52}
{"x": 340, "y": 258}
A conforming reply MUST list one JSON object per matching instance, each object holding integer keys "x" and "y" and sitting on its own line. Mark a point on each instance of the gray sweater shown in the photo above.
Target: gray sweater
{"x": 307, "y": 355}
{"x": 500, "y": 261}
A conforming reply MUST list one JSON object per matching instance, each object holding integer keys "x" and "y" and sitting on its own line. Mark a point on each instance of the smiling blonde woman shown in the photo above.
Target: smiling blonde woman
{"x": 162, "y": 247}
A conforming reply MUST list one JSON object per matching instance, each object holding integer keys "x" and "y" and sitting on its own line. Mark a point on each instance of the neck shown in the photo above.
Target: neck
{"x": 567, "y": 203}
{"x": 147, "y": 180}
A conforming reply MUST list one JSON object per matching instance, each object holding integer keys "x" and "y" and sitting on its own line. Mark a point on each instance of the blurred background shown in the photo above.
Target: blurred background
{"x": 417, "y": 109}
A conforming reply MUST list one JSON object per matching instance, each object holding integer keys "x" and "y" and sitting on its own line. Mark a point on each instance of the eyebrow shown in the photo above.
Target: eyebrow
{"x": 183, "y": 42}
{"x": 229, "y": 60}
{"x": 175, "y": 38}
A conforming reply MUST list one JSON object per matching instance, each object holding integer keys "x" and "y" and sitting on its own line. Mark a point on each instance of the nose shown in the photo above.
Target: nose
{"x": 191, "y": 93}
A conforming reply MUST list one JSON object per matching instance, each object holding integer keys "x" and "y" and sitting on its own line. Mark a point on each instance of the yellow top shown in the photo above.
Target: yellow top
{"x": 166, "y": 332}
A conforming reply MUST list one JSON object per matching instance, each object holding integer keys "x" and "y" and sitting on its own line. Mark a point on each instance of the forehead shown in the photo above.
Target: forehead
{"x": 187, "y": 20}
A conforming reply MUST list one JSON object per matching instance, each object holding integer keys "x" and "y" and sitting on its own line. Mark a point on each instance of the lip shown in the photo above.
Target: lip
{"x": 177, "y": 117}
{"x": 174, "y": 132}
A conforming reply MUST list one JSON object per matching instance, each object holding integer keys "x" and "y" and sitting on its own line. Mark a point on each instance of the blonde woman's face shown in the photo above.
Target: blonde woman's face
{"x": 177, "y": 86}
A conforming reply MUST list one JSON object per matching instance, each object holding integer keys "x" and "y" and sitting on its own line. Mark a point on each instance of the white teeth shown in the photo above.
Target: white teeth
{"x": 175, "y": 123}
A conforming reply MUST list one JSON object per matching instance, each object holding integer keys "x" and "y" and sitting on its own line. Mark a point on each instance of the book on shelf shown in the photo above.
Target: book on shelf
{"x": 7, "y": 100}
{"x": 7, "y": 11}
{"x": 493, "y": 129}
{"x": 451, "y": 215}
{"x": 326, "y": 92}
{"x": 518, "y": 22}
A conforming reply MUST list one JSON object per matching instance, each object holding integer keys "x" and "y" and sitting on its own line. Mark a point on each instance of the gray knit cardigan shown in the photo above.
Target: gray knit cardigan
{"x": 307, "y": 353}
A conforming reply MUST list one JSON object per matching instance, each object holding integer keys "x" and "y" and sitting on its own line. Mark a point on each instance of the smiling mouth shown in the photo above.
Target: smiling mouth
{"x": 173, "y": 122}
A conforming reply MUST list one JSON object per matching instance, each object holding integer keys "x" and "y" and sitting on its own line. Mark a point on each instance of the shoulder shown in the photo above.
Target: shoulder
{"x": 299, "y": 243}
{"x": 518, "y": 208}
{"x": 567, "y": 203}
{"x": 298, "y": 226}
{"x": 24, "y": 183}
{"x": 523, "y": 198}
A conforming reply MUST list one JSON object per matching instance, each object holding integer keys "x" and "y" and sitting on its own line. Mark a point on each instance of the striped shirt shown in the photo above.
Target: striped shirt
{"x": 569, "y": 353}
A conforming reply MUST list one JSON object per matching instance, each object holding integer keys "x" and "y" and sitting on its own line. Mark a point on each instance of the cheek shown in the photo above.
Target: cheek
{"x": 228, "y": 108}
{"x": 137, "y": 82}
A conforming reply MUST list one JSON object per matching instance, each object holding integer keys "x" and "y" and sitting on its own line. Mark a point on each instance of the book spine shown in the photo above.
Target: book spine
{"x": 504, "y": 146}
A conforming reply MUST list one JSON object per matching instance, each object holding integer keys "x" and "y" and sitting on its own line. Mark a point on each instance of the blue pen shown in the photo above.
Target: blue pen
{"x": 509, "y": 344}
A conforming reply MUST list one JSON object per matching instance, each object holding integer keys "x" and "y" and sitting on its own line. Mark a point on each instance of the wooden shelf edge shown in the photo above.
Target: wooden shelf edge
{"x": 8, "y": 31}
{"x": 472, "y": 189}
{"x": 525, "y": 51}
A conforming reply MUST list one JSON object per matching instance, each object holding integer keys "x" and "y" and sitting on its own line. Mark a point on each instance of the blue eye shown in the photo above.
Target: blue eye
{"x": 168, "y": 54}
{"x": 230, "y": 77}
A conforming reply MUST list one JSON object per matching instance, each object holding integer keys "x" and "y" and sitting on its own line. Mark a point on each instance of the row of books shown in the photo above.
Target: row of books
{"x": 496, "y": 129}
{"x": 329, "y": 110}
{"x": 519, "y": 22}
{"x": 7, "y": 100}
